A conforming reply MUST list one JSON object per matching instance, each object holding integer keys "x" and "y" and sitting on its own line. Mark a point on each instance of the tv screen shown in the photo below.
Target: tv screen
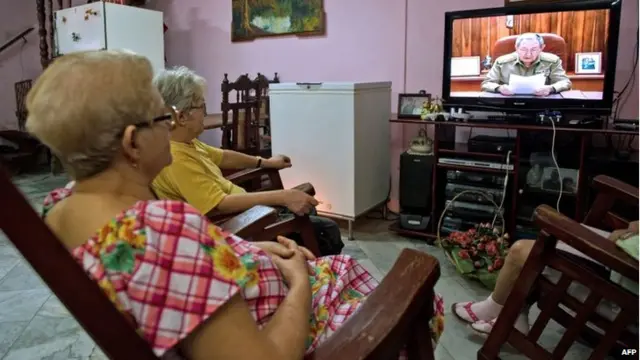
{"x": 551, "y": 56}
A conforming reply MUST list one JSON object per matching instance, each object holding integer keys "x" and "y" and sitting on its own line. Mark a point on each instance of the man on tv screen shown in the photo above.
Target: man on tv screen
{"x": 528, "y": 62}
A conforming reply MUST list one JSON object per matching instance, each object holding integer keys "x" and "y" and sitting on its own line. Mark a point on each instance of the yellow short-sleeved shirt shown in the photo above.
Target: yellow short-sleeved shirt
{"x": 194, "y": 176}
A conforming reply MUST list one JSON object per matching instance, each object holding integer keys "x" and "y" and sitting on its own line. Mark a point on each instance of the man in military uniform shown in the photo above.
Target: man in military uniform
{"x": 527, "y": 60}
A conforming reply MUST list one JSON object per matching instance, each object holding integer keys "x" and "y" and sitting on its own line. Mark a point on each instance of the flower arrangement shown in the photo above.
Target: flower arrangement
{"x": 430, "y": 109}
{"x": 477, "y": 253}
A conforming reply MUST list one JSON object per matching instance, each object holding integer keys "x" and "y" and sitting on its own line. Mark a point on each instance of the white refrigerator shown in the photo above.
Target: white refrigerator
{"x": 109, "y": 26}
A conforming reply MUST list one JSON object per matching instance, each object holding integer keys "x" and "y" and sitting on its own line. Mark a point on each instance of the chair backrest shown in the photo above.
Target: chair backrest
{"x": 241, "y": 133}
{"x": 64, "y": 276}
{"x": 265, "y": 121}
{"x": 553, "y": 43}
{"x": 21, "y": 89}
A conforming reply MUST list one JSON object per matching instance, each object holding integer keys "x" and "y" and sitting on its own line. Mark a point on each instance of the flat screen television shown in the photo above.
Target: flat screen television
{"x": 555, "y": 56}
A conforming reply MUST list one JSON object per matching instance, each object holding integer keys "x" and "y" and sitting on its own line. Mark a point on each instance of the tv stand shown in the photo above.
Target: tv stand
{"x": 569, "y": 120}
{"x": 574, "y": 152}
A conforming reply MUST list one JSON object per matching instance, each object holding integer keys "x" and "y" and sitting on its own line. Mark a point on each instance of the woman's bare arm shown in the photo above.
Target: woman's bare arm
{"x": 231, "y": 333}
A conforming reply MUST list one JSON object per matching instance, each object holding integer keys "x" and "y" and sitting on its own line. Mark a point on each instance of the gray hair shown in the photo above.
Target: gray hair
{"x": 82, "y": 121}
{"x": 529, "y": 36}
{"x": 180, "y": 87}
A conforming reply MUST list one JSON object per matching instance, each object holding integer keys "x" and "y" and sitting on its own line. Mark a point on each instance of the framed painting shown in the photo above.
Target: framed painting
{"x": 252, "y": 19}
{"x": 588, "y": 63}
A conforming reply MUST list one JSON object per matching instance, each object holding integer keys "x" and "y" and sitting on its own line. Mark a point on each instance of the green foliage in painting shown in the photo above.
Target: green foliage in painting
{"x": 256, "y": 18}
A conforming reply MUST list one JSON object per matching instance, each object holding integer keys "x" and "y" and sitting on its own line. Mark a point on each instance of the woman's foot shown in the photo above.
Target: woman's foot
{"x": 471, "y": 312}
{"x": 484, "y": 327}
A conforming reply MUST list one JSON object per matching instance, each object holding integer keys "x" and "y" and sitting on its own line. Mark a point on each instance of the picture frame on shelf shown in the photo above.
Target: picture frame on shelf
{"x": 465, "y": 66}
{"x": 410, "y": 105}
{"x": 588, "y": 63}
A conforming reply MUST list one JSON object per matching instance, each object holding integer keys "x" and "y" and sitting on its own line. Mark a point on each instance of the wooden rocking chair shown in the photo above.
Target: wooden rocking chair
{"x": 394, "y": 315}
{"x": 607, "y": 329}
{"x": 270, "y": 227}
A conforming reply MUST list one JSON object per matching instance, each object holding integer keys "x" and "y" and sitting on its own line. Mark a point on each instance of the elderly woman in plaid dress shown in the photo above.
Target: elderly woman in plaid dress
{"x": 185, "y": 284}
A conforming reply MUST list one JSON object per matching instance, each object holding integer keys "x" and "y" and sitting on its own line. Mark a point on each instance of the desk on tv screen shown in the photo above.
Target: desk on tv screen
{"x": 571, "y": 94}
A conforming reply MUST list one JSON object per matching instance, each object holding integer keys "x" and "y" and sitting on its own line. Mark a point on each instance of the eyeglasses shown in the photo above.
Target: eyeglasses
{"x": 529, "y": 51}
{"x": 171, "y": 117}
{"x": 202, "y": 107}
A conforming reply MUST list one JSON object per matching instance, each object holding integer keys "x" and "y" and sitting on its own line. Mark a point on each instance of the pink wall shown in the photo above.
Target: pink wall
{"x": 397, "y": 40}
{"x": 22, "y": 60}
{"x": 19, "y": 62}
{"x": 401, "y": 41}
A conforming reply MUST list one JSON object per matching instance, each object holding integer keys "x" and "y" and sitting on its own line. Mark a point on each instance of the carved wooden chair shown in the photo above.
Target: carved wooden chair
{"x": 581, "y": 298}
{"x": 21, "y": 89}
{"x": 395, "y": 314}
{"x": 241, "y": 133}
{"x": 265, "y": 180}
{"x": 265, "y": 121}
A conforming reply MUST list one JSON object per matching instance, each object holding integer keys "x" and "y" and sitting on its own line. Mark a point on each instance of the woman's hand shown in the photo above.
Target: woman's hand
{"x": 275, "y": 249}
{"x": 620, "y": 234}
{"x": 284, "y": 248}
{"x": 295, "y": 269}
{"x": 292, "y": 245}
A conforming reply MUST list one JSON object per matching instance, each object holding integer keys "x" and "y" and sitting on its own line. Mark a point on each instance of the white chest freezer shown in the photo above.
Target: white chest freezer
{"x": 337, "y": 135}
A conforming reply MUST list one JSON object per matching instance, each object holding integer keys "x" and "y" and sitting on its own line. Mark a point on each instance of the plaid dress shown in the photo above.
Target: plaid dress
{"x": 168, "y": 269}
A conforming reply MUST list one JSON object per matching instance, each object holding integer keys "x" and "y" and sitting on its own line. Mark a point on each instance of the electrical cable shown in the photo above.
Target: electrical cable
{"x": 504, "y": 190}
{"x": 386, "y": 207}
{"x": 555, "y": 161}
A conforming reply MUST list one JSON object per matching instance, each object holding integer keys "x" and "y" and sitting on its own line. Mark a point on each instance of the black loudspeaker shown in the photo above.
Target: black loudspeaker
{"x": 415, "y": 183}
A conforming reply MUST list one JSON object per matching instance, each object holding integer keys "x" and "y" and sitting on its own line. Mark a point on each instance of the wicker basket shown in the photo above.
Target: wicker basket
{"x": 467, "y": 266}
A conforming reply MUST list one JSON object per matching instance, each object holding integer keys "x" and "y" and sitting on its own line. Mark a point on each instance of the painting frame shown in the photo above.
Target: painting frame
{"x": 466, "y": 66}
{"x": 321, "y": 30}
{"x": 581, "y": 69}
{"x": 402, "y": 99}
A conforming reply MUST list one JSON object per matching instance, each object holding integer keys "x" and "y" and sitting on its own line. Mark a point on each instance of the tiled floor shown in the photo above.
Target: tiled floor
{"x": 34, "y": 325}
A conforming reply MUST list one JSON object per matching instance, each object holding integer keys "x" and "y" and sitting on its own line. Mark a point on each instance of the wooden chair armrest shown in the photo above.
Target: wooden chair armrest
{"x": 294, "y": 224}
{"x": 249, "y": 174}
{"x": 586, "y": 241}
{"x": 609, "y": 192}
{"x": 381, "y": 326}
{"x": 251, "y": 221}
{"x": 274, "y": 175}
{"x": 616, "y": 188}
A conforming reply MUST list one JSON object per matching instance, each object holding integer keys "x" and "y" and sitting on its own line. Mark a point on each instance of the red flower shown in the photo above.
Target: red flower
{"x": 491, "y": 248}
{"x": 463, "y": 254}
{"x": 481, "y": 246}
{"x": 498, "y": 263}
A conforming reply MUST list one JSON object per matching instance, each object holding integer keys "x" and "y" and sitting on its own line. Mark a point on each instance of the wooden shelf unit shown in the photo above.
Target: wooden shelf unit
{"x": 461, "y": 150}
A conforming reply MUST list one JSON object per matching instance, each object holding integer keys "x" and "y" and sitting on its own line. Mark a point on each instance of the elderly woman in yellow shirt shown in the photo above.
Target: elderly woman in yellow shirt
{"x": 195, "y": 174}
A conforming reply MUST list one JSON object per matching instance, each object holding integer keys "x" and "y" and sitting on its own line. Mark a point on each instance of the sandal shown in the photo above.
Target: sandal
{"x": 467, "y": 308}
{"x": 482, "y": 327}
